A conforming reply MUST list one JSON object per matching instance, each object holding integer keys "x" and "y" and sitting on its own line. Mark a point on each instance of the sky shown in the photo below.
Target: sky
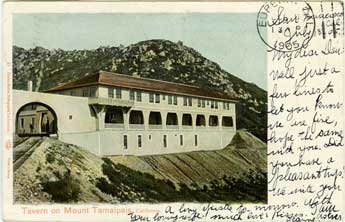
{"x": 229, "y": 39}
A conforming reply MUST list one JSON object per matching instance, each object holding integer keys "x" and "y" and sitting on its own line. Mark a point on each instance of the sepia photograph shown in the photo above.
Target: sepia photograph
{"x": 139, "y": 108}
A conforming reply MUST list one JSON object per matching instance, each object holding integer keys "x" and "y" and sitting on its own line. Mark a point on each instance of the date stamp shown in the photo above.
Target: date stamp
{"x": 286, "y": 26}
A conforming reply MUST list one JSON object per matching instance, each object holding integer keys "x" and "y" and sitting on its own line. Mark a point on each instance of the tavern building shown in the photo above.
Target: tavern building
{"x": 115, "y": 114}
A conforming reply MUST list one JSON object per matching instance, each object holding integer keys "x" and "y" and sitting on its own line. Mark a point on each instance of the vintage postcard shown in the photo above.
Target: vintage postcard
{"x": 173, "y": 111}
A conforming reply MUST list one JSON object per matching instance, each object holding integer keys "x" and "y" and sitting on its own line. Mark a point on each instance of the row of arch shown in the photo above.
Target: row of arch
{"x": 115, "y": 115}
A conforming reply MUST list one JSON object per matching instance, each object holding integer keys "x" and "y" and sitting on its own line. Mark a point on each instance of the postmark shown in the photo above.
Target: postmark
{"x": 286, "y": 26}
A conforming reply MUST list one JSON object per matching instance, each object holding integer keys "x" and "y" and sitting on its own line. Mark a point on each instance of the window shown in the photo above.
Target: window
{"x": 213, "y": 121}
{"x": 139, "y": 141}
{"x": 85, "y": 93}
{"x": 131, "y": 95}
{"x": 172, "y": 119}
{"x": 157, "y": 98}
{"x": 224, "y": 105}
{"x": 175, "y": 100}
{"x": 163, "y": 97}
{"x": 151, "y": 99}
{"x": 125, "y": 142}
{"x": 118, "y": 93}
{"x": 155, "y": 118}
{"x": 189, "y": 101}
{"x": 181, "y": 140}
{"x": 114, "y": 115}
{"x": 70, "y": 116}
{"x": 169, "y": 99}
{"x": 216, "y": 104}
{"x": 22, "y": 122}
{"x": 150, "y": 137}
{"x": 200, "y": 120}
{"x": 185, "y": 101}
{"x": 203, "y": 103}
{"x": 187, "y": 120}
{"x": 110, "y": 93}
{"x": 212, "y": 104}
{"x": 136, "y": 117}
{"x": 196, "y": 140}
{"x": 199, "y": 102}
{"x": 165, "y": 141}
{"x": 72, "y": 93}
{"x": 227, "y": 121}
{"x": 93, "y": 91}
{"x": 139, "y": 96}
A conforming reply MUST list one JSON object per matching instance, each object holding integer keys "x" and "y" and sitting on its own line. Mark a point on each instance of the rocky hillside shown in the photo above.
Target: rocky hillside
{"x": 158, "y": 59}
{"x": 48, "y": 170}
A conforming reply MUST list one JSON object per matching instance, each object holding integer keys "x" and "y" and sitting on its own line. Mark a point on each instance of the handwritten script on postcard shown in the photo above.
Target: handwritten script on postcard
{"x": 305, "y": 72}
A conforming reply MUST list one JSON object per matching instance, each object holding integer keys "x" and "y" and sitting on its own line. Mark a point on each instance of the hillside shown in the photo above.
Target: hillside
{"x": 48, "y": 170}
{"x": 157, "y": 59}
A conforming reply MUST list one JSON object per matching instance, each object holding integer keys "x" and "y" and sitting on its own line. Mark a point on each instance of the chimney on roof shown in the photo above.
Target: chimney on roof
{"x": 29, "y": 85}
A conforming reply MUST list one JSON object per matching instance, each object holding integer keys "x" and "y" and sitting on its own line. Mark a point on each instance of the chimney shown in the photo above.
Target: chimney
{"x": 29, "y": 85}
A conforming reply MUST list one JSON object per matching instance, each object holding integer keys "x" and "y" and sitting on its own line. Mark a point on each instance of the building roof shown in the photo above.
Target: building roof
{"x": 127, "y": 81}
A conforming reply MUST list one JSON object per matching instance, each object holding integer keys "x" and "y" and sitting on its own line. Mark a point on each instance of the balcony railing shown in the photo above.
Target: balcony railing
{"x": 200, "y": 127}
{"x": 136, "y": 126}
{"x": 187, "y": 127}
{"x": 110, "y": 102}
{"x": 172, "y": 126}
{"x": 155, "y": 127}
{"x": 114, "y": 125}
{"x": 227, "y": 127}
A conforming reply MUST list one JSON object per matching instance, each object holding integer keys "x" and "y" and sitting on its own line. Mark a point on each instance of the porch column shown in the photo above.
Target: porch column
{"x": 164, "y": 119}
{"x": 146, "y": 115}
{"x": 126, "y": 118}
{"x": 100, "y": 112}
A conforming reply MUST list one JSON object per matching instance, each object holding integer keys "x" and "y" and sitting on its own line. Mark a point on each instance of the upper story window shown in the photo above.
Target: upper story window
{"x": 216, "y": 104}
{"x": 226, "y": 106}
{"x": 199, "y": 102}
{"x": 175, "y": 100}
{"x": 212, "y": 104}
{"x": 131, "y": 95}
{"x": 203, "y": 103}
{"x": 72, "y": 93}
{"x": 151, "y": 98}
{"x": 93, "y": 91}
{"x": 169, "y": 99}
{"x": 85, "y": 92}
{"x": 118, "y": 93}
{"x": 190, "y": 101}
{"x": 110, "y": 93}
{"x": 227, "y": 121}
{"x": 185, "y": 101}
{"x": 157, "y": 97}
{"x": 139, "y": 96}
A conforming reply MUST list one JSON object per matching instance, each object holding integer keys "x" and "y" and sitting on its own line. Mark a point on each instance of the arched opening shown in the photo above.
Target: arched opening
{"x": 136, "y": 117}
{"x": 227, "y": 121}
{"x": 172, "y": 119}
{"x": 36, "y": 119}
{"x": 200, "y": 120}
{"x": 114, "y": 115}
{"x": 114, "y": 118}
{"x": 213, "y": 121}
{"x": 187, "y": 120}
{"x": 155, "y": 118}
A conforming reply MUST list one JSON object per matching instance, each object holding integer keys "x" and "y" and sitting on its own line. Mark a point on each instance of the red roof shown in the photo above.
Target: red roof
{"x": 126, "y": 81}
